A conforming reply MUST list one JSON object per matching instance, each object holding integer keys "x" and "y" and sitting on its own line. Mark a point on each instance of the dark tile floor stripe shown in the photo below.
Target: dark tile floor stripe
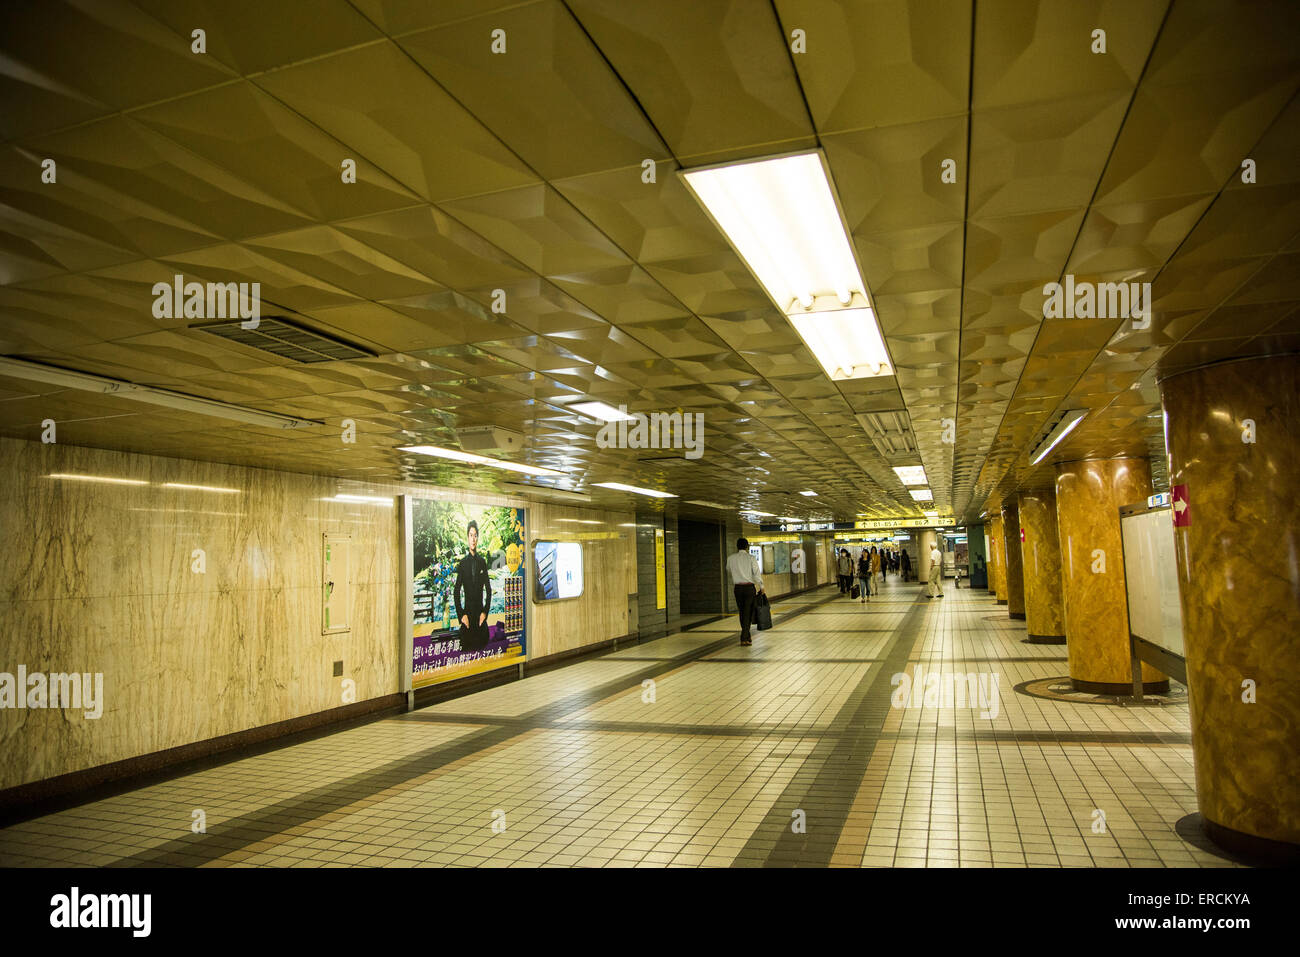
{"x": 826, "y": 783}
{"x": 239, "y": 832}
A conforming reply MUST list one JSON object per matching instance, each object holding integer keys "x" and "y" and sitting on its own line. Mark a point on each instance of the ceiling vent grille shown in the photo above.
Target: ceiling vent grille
{"x": 286, "y": 340}
{"x": 890, "y": 433}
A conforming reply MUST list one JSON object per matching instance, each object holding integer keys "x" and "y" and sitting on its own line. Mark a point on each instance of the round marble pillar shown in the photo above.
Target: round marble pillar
{"x": 1014, "y": 572}
{"x": 1234, "y": 457}
{"x": 997, "y": 560}
{"x": 1041, "y": 556}
{"x": 1088, "y": 499}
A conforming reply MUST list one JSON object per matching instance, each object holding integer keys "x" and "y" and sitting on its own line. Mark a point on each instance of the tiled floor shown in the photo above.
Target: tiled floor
{"x": 692, "y": 750}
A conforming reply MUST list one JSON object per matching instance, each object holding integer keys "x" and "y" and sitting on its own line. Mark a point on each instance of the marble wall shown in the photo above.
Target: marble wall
{"x": 1015, "y": 578}
{"x": 1233, "y": 447}
{"x": 1089, "y": 495}
{"x": 1041, "y": 558}
{"x": 102, "y": 577}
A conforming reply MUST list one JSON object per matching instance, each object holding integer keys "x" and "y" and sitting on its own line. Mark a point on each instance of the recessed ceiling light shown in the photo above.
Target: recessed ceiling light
{"x": 922, "y": 494}
{"x": 96, "y": 478}
{"x": 781, "y": 216}
{"x": 201, "y": 488}
{"x": 619, "y": 487}
{"x": 911, "y": 474}
{"x": 603, "y": 412}
{"x": 1062, "y": 428}
{"x": 474, "y": 459}
{"x": 809, "y": 493}
{"x": 361, "y": 499}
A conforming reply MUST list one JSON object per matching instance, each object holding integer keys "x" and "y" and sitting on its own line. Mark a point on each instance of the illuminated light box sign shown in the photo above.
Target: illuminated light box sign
{"x": 559, "y": 570}
{"x": 469, "y": 580}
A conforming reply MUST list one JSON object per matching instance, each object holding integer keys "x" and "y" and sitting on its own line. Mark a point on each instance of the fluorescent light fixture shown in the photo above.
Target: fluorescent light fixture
{"x": 922, "y": 494}
{"x": 929, "y": 514}
{"x": 474, "y": 459}
{"x": 361, "y": 499}
{"x": 580, "y": 521}
{"x": 542, "y": 491}
{"x": 750, "y": 511}
{"x": 618, "y": 487}
{"x": 781, "y": 216}
{"x": 1068, "y": 423}
{"x": 810, "y": 494}
{"x": 707, "y": 504}
{"x": 201, "y": 488}
{"x": 846, "y": 342}
{"x": 602, "y": 411}
{"x": 96, "y": 478}
{"x": 911, "y": 474}
{"x": 37, "y": 372}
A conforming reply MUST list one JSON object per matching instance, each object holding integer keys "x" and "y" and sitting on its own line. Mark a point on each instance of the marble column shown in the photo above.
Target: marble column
{"x": 1234, "y": 456}
{"x": 1041, "y": 553}
{"x": 1015, "y": 574}
{"x": 997, "y": 560}
{"x": 1089, "y": 495}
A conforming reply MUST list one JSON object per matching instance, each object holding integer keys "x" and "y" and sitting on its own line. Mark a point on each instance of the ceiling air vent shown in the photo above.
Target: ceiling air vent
{"x": 285, "y": 339}
{"x": 890, "y": 433}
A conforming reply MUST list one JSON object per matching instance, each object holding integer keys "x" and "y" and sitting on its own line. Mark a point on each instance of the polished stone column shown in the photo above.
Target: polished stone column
{"x": 1089, "y": 495}
{"x": 1015, "y": 574}
{"x": 997, "y": 560}
{"x": 1234, "y": 456}
{"x": 1041, "y": 552}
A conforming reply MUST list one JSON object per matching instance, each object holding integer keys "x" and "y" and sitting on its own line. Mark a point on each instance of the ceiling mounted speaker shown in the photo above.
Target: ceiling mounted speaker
{"x": 485, "y": 438}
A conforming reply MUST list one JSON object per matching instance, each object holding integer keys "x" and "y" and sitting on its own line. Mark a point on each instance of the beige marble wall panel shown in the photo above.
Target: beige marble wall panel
{"x": 998, "y": 559}
{"x": 1089, "y": 495}
{"x": 97, "y": 577}
{"x": 608, "y": 574}
{"x": 1015, "y": 577}
{"x": 1239, "y": 576}
{"x": 1041, "y": 556}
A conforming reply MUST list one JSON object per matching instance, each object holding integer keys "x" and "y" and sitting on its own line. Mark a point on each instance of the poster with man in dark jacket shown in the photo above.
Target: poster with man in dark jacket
{"x": 473, "y": 595}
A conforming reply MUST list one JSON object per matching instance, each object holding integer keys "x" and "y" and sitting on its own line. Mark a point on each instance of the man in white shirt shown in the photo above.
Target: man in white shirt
{"x": 936, "y": 569}
{"x": 747, "y": 583}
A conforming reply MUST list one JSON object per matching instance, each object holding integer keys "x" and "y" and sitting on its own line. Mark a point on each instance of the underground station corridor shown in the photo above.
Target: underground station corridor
{"x": 726, "y": 437}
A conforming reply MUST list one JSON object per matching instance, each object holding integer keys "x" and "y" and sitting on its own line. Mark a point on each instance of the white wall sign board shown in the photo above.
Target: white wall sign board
{"x": 1151, "y": 577}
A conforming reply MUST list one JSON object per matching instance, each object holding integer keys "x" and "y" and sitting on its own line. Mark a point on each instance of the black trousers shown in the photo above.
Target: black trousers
{"x": 746, "y": 595}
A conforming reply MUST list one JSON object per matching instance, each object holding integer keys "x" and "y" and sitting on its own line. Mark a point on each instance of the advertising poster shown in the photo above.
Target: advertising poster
{"x": 783, "y": 558}
{"x": 559, "y": 570}
{"x": 470, "y": 579}
{"x": 661, "y": 575}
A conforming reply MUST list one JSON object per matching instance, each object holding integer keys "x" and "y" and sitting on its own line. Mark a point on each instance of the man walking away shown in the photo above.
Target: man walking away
{"x": 936, "y": 569}
{"x": 747, "y": 583}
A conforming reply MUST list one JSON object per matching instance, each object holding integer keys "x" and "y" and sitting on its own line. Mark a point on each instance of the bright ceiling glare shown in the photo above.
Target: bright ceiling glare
{"x": 618, "y": 487}
{"x": 809, "y": 493}
{"x": 361, "y": 499}
{"x": 602, "y": 411}
{"x": 1068, "y": 423}
{"x": 472, "y": 458}
{"x": 781, "y": 216}
{"x": 96, "y": 478}
{"x": 922, "y": 495}
{"x": 707, "y": 504}
{"x": 911, "y": 474}
{"x": 202, "y": 488}
{"x": 750, "y": 511}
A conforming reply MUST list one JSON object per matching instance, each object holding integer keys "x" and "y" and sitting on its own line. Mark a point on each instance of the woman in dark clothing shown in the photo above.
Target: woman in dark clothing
{"x": 864, "y": 575}
{"x": 906, "y": 564}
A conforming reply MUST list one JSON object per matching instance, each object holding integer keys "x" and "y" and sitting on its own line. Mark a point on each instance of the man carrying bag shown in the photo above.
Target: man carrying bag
{"x": 763, "y": 612}
{"x": 748, "y": 586}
